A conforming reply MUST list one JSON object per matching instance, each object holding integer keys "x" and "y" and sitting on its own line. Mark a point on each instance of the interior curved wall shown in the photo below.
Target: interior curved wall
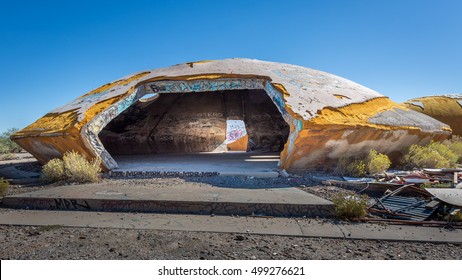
{"x": 196, "y": 122}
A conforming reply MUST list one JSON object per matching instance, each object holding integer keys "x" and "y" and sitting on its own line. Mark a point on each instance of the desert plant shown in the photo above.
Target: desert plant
{"x": 7, "y": 156}
{"x": 49, "y": 227}
{"x": 72, "y": 168}
{"x": 79, "y": 169}
{"x": 350, "y": 206}
{"x": 4, "y": 186}
{"x": 377, "y": 162}
{"x": 350, "y": 167}
{"x": 456, "y": 148}
{"x": 6, "y": 144}
{"x": 433, "y": 155}
{"x": 54, "y": 170}
{"x": 445, "y": 151}
{"x": 435, "y": 185}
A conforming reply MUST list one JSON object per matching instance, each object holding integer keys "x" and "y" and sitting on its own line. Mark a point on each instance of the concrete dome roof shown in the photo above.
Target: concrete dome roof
{"x": 340, "y": 116}
{"x": 446, "y": 108}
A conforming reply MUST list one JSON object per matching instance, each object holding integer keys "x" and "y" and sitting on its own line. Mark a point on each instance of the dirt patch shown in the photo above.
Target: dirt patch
{"x": 25, "y": 242}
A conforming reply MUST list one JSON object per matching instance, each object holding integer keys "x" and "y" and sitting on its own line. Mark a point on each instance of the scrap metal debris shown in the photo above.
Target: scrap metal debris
{"x": 401, "y": 207}
{"x": 449, "y": 196}
{"x": 428, "y": 196}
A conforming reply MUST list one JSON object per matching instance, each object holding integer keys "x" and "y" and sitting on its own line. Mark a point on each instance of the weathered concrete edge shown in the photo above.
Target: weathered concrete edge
{"x": 171, "y": 207}
{"x": 223, "y": 224}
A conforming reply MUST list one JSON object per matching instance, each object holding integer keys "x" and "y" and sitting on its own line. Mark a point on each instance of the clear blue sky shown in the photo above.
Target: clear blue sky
{"x": 54, "y": 51}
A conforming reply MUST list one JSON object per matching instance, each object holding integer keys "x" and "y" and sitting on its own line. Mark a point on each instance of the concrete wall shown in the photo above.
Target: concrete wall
{"x": 195, "y": 122}
{"x": 445, "y": 108}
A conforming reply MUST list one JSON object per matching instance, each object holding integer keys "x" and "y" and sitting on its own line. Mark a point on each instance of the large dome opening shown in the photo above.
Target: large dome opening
{"x": 198, "y": 125}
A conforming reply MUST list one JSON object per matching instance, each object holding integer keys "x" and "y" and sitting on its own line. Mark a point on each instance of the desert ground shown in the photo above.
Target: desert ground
{"x": 57, "y": 242}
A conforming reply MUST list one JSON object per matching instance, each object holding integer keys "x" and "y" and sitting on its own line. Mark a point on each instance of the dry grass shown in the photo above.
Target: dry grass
{"x": 54, "y": 170}
{"x": 373, "y": 163}
{"x": 72, "y": 168}
{"x": 349, "y": 206}
{"x": 350, "y": 167}
{"x": 7, "y": 156}
{"x": 4, "y": 186}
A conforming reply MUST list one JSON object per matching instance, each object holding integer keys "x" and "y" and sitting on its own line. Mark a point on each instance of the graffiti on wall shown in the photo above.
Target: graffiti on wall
{"x": 93, "y": 128}
{"x": 235, "y": 130}
{"x": 277, "y": 98}
{"x": 204, "y": 85}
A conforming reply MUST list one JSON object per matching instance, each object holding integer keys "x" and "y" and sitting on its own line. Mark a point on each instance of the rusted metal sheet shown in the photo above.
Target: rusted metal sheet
{"x": 406, "y": 208}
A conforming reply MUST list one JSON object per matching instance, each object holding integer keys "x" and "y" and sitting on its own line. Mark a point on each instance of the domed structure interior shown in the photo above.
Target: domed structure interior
{"x": 193, "y": 122}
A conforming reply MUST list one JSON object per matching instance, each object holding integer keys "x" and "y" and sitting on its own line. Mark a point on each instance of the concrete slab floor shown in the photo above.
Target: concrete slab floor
{"x": 202, "y": 199}
{"x": 245, "y": 225}
{"x": 226, "y": 163}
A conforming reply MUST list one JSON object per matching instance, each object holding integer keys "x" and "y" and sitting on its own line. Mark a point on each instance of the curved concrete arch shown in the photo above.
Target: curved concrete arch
{"x": 91, "y": 130}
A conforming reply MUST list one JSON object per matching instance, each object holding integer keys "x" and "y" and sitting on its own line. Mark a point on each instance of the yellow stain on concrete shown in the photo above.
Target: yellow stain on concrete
{"x": 442, "y": 108}
{"x": 191, "y": 64}
{"x": 98, "y": 108}
{"x": 240, "y": 145}
{"x": 45, "y": 148}
{"x": 348, "y": 124}
{"x": 281, "y": 88}
{"x": 357, "y": 114}
{"x": 108, "y": 86}
{"x": 52, "y": 123}
{"x": 62, "y": 132}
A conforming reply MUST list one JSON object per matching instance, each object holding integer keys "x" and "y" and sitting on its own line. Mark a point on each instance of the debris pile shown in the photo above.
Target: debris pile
{"x": 425, "y": 197}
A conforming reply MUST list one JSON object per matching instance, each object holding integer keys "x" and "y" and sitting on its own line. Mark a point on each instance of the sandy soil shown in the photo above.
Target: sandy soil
{"x": 89, "y": 243}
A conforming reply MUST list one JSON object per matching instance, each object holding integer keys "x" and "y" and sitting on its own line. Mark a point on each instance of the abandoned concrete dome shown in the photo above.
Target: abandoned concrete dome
{"x": 445, "y": 108}
{"x": 310, "y": 118}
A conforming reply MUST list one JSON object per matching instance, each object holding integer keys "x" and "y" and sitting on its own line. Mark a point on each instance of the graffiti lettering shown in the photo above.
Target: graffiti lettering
{"x": 70, "y": 204}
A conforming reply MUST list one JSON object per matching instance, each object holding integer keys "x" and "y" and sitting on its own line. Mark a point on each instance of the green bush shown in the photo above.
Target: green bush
{"x": 348, "y": 167}
{"x": 372, "y": 164}
{"x": 349, "y": 207}
{"x": 377, "y": 162}
{"x": 456, "y": 148}
{"x": 6, "y": 144}
{"x": 433, "y": 155}
{"x": 72, "y": 168}
{"x": 4, "y": 186}
{"x": 445, "y": 151}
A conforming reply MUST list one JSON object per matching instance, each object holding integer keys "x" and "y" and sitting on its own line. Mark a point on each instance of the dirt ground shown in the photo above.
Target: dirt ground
{"x": 55, "y": 242}
{"x": 27, "y": 242}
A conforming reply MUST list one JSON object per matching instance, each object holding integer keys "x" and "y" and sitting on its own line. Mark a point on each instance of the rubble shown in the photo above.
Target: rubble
{"x": 425, "y": 197}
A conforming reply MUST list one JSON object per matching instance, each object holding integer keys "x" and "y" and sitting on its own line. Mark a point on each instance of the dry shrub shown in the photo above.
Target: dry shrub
{"x": 349, "y": 207}
{"x": 7, "y": 156}
{"x": 456, "y": 148}
{"x": 4, "y": 186}
{"x": 377, "y": 162}
{"x": 372, "y": 164}
{"x": 54, "y": 170}
{"x": 72, "y": 168}
{"x": 433, "y": 155}
{"x": 348, "y": 167}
